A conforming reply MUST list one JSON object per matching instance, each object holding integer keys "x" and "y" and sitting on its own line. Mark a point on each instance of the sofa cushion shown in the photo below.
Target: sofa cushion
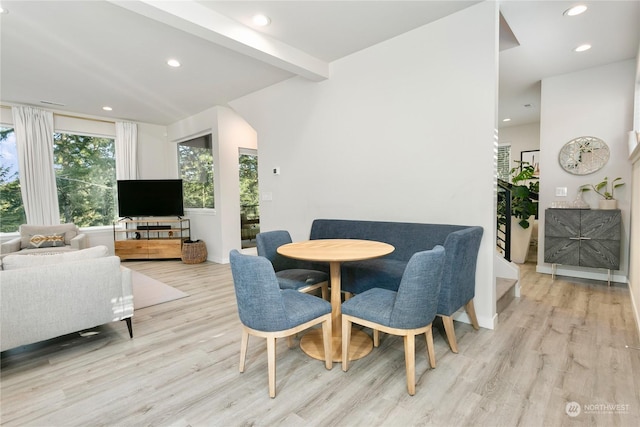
{"x": 52, "y": 240}
{"x": 12, "y": 262}
{"x": 26, "y": 231}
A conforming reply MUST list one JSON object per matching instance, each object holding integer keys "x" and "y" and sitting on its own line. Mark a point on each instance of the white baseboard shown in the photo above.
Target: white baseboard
{"x": 487, "y": 322}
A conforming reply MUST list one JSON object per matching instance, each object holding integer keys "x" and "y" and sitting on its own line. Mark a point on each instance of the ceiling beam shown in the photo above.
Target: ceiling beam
{"x": 203, "y": 22}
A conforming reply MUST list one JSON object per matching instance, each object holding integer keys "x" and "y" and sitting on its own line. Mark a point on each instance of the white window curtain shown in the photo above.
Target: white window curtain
{"x": 126, "y": 150}
{"x": 33, "y": 128}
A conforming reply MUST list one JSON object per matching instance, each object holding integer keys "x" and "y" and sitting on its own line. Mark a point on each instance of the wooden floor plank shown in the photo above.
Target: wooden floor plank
{"x": 561, "y": 341}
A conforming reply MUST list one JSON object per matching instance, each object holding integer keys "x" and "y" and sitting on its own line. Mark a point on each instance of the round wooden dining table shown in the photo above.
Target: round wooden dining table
{"x": 335, "y": 252}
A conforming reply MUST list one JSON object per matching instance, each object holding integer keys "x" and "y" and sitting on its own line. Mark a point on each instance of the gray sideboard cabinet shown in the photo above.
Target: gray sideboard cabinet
{"x": 583, "y": 237}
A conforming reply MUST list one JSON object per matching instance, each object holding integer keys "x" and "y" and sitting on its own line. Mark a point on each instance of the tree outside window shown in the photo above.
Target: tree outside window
{"x": 195, "y": 160}
{"x": 249, "y": 195}
{"x": 85, "y": 173}
{"x": 11, "y": 207}
{"x": 85, "y": 169}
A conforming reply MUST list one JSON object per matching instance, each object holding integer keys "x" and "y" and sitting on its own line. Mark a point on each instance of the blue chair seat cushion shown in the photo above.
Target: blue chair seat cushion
{"x": 301, "y": 307}
{"x": 360, "y": 276}
{"x": 374, "y": 305}
{"x": 297, "y": 278}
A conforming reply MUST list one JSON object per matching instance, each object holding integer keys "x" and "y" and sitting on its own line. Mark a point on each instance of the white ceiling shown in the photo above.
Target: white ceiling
{"x": 88, "y": 54}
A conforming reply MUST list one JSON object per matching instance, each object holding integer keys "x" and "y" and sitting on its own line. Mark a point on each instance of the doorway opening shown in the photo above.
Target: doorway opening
{"x": 249, "y": 197}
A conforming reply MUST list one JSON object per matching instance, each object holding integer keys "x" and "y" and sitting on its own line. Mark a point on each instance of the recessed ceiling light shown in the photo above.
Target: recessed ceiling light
{"x": 107, "y": 108}
{"x": 506, "y": 120}
{"x": 3, "y": 10}
{"x": 582, "y": 48}
{"x": 575, "y": 10}
{"x": 173, "y": 63}
{"x": 261, "y": 20}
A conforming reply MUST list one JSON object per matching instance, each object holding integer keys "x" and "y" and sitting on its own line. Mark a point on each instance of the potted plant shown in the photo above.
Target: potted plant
{"x": 606, "y": 190}
{"x": 524, "y": 206}
{"x": 524, "y": 193}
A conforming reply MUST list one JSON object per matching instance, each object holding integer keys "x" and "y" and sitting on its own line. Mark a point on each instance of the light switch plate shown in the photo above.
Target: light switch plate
{"x": 561, "y": 191}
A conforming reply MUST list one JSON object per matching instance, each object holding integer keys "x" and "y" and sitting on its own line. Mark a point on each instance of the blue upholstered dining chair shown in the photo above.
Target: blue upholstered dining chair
{"x": 408, "y": 312}
{"x": 459, "y": 280}
{"x": 291, "y": 273}
{"x": 268, "y": 312}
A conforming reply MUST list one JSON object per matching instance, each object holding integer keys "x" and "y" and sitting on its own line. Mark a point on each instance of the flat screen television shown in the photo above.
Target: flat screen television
{"x": 150, "y": 197}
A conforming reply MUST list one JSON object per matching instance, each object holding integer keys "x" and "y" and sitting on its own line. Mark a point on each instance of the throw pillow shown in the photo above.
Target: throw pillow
{"x": 54, "y": 240}
{"x": 69, "y": 229}
{"x": 12, "y": 262}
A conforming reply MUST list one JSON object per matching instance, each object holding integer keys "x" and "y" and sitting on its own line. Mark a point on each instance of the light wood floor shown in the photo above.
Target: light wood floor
{"x": 560, "y": 342}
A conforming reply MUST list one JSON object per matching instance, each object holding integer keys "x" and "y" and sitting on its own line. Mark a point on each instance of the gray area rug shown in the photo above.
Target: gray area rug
{"x": 148, "y": 291}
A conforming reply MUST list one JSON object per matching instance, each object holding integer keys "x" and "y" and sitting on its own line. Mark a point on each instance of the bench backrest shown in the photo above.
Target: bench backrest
{"x": 407, "y": 238}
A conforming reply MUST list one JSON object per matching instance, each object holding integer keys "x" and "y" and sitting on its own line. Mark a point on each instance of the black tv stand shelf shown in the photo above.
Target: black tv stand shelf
{"x": 153, "y": 227}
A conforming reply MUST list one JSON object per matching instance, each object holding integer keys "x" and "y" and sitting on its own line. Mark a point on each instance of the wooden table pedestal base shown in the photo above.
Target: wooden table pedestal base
{"x": 361, "y": 345}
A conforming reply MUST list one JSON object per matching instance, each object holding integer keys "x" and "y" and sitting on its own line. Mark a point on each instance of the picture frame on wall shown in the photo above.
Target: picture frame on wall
{"x": 533, "y": 158}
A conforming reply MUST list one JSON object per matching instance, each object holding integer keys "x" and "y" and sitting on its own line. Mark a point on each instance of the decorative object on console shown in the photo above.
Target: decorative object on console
{"x": 584, "y": 155}
{"x": 602, "y": 188}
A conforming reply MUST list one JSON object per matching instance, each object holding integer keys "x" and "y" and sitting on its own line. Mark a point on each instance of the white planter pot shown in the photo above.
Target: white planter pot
{"x": 608, "y": 204}
{"x": 520, "y": 240}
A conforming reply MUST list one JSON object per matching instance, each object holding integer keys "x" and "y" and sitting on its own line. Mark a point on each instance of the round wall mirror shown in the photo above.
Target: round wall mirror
{"x": 584, "y": 155}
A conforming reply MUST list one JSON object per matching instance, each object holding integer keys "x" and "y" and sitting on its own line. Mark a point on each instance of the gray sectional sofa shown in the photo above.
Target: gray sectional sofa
{"x": 46, "y": 296}
{"x": 461, "y": 244}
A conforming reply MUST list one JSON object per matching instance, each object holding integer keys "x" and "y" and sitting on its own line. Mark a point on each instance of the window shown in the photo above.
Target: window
{"x": 249, "y": 198}
{"x": 504, "y": 162}
{"x": 11, "y": 207}
{"x": 195, "y": 161}
{"x": 85, "y": 169}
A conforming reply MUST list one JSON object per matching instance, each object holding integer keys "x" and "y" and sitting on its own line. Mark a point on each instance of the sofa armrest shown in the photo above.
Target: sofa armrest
{"x": 10, "y": 246}
{"x": 80, "y": 242}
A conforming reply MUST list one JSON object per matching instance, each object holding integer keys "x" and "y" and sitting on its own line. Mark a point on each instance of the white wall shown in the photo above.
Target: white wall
{"x": 594, "y": 102}
{"x": 520, "y": 138}
{"x": 155, "y": 158}
{"x": 219, "y": 228}
{"x": 401, "y": 131}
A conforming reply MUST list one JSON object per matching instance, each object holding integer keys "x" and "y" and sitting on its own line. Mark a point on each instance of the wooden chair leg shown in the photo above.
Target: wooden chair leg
{"x": 347, "y": 296}
{"x": 243, "y": 349}
{"x": 471, "y": 312}
{"x": 451, "y": 333}
{"x": 376, "y": 338}
{"x": 328, "y": 343}
{"x": 431, "y": 354}
{"x": 410, "y": 362}
{"x": 325, "y": 292}
{"x": 290, "y": 343}
{"x": 271, "y": 363}
{"x": 346, "y": 339}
